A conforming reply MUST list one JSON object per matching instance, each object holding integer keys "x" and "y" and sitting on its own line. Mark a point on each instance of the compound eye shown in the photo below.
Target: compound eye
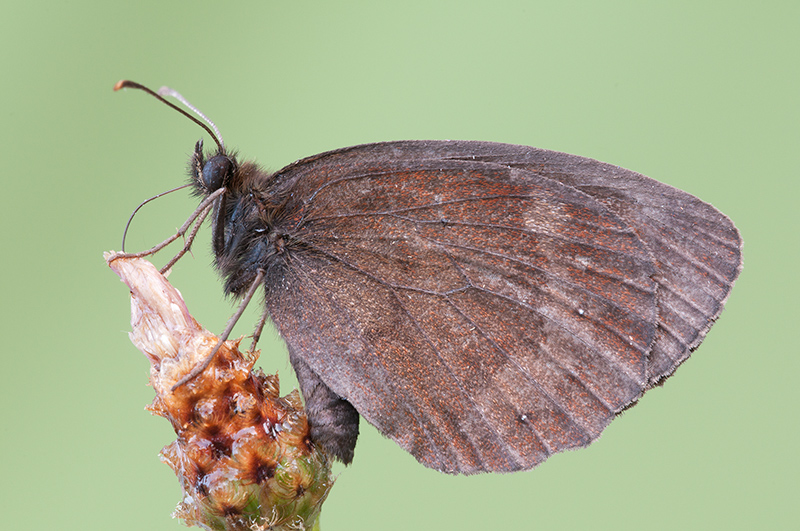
{"x": 216, "y": 172}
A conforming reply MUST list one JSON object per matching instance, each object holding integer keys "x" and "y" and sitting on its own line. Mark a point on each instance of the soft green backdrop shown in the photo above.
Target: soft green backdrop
{"x": 702, "y": 95}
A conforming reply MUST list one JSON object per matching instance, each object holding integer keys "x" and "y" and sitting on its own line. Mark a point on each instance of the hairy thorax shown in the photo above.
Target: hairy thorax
{"x": 253, "y": 232}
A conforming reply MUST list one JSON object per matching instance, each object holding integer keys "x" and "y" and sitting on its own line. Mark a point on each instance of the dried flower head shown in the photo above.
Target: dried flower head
{"x": 243, "y": 455}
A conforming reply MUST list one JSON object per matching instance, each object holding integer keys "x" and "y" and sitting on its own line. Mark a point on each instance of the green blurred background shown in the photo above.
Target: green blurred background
{"x": 701, "y": 95}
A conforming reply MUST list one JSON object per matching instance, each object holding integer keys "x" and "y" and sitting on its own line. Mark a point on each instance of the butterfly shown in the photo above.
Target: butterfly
{"x": 484, "y": 305}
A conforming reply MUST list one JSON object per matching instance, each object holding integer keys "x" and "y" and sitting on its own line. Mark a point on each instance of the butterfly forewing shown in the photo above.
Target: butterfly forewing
{"x": 472, "y": 306}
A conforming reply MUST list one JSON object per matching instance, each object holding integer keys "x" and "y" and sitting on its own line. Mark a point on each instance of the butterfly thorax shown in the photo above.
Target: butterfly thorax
{"x": 246, "y": 232}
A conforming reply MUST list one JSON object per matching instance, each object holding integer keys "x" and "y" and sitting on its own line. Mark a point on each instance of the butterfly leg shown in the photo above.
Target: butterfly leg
{"x": 199, "y": 214}
{"x": 225, "y": 333}
{"x": 258, "y": 330}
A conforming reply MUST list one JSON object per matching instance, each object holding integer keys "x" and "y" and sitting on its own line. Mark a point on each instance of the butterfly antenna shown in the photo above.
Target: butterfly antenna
{"x": 169, "y": 92}
{"x": 166, "y": 91}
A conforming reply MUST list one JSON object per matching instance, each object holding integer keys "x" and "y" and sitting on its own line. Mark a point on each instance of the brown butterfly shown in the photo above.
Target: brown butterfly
{"x": 484, "y": 305}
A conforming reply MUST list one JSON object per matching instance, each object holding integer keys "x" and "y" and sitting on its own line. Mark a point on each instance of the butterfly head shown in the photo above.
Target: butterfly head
{"x": 209, "y": 175}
